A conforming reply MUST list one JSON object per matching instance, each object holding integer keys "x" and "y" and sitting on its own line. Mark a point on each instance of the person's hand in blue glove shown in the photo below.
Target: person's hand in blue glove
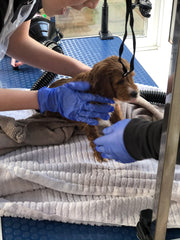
{"x": 111, "y": 145}
{"x": 72, "y": 102}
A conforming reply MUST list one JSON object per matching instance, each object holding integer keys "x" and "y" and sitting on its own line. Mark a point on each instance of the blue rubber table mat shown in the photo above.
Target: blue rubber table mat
{"x": 89, "y": 50}
{"x": 24, "y": 229}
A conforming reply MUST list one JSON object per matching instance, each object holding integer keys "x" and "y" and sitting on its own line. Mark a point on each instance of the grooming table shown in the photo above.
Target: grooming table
{"x": 89, "y": 50}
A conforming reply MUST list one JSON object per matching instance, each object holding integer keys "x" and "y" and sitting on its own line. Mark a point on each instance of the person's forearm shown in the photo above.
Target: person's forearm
{"x": 35, "y": 54}
{"x": 11, "y": 99}
{"x": 142, "y": 138}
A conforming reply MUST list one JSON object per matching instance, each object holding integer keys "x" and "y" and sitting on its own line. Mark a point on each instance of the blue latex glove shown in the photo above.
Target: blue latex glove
{"x": 111, "y": 145}
{"x": 72, "y": 102}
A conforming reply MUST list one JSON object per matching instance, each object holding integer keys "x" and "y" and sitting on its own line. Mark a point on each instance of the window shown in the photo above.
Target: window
{"x": 87, "y": 22}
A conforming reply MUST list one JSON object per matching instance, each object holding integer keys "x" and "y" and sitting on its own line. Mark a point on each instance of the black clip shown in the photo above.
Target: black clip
{"x": 144, "y": 225}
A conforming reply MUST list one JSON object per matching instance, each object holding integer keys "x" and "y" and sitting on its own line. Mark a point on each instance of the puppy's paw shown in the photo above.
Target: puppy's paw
{"x": 99, "y": 157}
{"x": 105, "y": 159}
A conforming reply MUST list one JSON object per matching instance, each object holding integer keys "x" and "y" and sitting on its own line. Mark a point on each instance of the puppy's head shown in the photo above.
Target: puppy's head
{"x": 108, "y": 80}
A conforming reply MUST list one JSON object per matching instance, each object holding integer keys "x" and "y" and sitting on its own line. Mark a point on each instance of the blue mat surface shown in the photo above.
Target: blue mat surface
{"x": 24, "y": 229}
{"x": 89, "y": 50}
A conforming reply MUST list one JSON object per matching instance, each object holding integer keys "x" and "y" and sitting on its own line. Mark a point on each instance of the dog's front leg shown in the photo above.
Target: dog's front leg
{"x": 117, "y": 115}
{"x": 92, "y": 133}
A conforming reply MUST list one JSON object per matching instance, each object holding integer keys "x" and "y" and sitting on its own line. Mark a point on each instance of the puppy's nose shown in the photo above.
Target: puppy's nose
{"x": 134, "y": 94}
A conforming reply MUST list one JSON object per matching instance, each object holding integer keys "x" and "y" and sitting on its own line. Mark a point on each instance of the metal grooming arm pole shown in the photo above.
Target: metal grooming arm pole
{"x": 169, "y": 140}
{"x": 104, "y": 33}
{"x": 168, "y": 150}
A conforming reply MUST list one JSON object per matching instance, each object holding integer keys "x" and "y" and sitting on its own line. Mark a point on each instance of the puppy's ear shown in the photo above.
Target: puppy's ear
{"x": 106, "y": 75}
{"x": 101, "y": 80}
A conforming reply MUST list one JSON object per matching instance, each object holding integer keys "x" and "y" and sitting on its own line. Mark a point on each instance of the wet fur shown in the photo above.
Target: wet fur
{"x": 106, "y": 80}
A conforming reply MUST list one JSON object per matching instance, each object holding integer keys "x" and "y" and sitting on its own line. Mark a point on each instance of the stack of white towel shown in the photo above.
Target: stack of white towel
{"x": 65, "y": 183}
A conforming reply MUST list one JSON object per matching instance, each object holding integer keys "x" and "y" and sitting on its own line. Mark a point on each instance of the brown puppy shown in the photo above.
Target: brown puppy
{"x": 106, "y": 79}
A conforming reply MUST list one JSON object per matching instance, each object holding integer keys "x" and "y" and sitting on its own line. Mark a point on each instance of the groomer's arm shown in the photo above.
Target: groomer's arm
{"x": 11, "y": 99}
{"x": 142, "y": 138}
{"x": 23, "y": 48}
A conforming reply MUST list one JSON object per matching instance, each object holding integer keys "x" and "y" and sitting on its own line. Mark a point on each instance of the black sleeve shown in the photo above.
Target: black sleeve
{"x": 142, "y": 138}
{"x": 36, "y": 8}
{"x": 4, "y": 6}
{"x": 3, "y": 9}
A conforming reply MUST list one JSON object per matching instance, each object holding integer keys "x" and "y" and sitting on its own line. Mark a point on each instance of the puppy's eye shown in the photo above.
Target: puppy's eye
{"x": 121, "y": 81}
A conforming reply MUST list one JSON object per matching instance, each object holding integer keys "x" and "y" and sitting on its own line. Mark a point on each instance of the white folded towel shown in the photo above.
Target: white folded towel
{"x": 65, "y": 183}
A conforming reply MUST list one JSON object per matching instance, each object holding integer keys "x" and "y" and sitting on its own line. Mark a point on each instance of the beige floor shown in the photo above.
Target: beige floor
{"x": 87, "y": 22}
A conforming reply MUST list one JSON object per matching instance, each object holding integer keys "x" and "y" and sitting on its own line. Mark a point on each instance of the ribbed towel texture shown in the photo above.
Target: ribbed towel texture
{"x": 65, "y": 183}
